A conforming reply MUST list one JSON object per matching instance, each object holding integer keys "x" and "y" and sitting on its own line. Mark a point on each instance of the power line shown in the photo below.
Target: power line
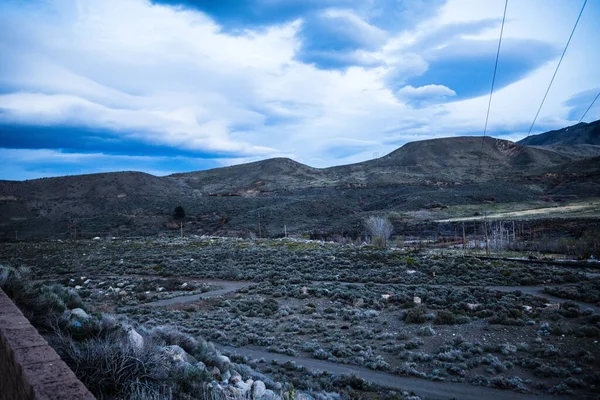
{"x": 551, "y": 81}
{"x": 556, "y": 70}
{"x": 589, "y": 108}
{"x": 487, "y": 117}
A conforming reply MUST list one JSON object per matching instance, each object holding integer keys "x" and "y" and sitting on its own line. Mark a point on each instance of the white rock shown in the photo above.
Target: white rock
{"x": 235, "y": 378}
{"x": 410, "y": 271}
{"x": 87, "y": 282}
{"x": 258, "y": 389}
{"x": 417, "y": 300}
{"x": 79, "y": 313}
{"x": 160, "y": 289}
{"x": 148, "y": 292}
{"x": 223, "y": 362}
{"x": 135, "y": 339}
{"x": 184, "y": 285}
{"x": 72, "y": 280}
{"x": 78, "y": 287}
{"x": 270, "y": 395}
{"x": 473, "y": 306}
{"x": 226, "y": 376}
{"x": 243, "y": 387}
{"x": 83, "y": 278}
{"x": 120, "y": 284}
{"x": 527, "y": 308}
{"x": 96, "y": 238}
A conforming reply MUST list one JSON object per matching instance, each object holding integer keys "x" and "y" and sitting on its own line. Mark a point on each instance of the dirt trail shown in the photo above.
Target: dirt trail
{"x": 538, "y": 291}
{"x": 422, "y": 387}
{"x": 527, "y": 213}
{"x": 226, "y": 287}
{"x": 533, "y": 290}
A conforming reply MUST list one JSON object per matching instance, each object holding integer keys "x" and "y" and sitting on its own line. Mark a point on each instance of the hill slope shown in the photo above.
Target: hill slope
{"x": 579, "y": 134}
{"x": 281, "y": 192}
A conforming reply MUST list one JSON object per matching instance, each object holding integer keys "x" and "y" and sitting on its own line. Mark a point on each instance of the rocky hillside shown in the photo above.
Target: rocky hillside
{"x": 580, "y": 134}
{"x": 268, "y": 197}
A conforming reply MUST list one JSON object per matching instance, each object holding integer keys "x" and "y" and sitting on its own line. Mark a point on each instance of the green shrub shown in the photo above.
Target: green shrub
{"x": 445, "y": 317}
{"x": 416, "y": 315}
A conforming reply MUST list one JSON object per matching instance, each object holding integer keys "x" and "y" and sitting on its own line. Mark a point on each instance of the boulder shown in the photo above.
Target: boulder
{"x": 135, "y": 339}
{"x": 242, "y": 387}
{"x": 270, "y": 395}
{"x": 79, "y": 314}
{"x": 223, "y": 362}
{"x": 235, "y": 378}
{"x": 200, "y": 365}
{"x": 417, "y": 300}
{"x": 258, "y": 389}
{"x": 225, "y": 376}
{"x": 178, "y": 355}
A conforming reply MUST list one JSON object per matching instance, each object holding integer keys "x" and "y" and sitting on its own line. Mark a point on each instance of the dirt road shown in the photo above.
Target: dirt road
{"x": 422, "y": 387}
{"x": 226, "y": 287}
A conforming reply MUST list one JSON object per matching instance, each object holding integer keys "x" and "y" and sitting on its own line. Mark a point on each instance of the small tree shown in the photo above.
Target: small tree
{"x": 179, "y": 213}
{"x": 380, "y": 229}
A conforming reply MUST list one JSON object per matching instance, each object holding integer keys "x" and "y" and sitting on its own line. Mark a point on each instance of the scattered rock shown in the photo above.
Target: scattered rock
{"x": 223, "y": 362}
{"x": 120, "y": 284}
{"x": 78, "y": 287}
{"x": 226, "y": 376}
{"x": 258, "y": 389}
{"x": 270, "y": 395}
{"x": 135, "y": 339}
{"x": 235, "y": 377}
{"x": 123, "y": 293}
{"x": 243, "y": 387}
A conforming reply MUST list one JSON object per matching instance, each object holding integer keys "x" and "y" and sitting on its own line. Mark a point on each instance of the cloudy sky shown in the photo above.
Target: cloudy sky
{"x": 168, "y": 86}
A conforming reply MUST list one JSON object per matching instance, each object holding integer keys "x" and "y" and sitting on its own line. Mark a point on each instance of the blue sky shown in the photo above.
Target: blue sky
{"x": 169, "y": 86}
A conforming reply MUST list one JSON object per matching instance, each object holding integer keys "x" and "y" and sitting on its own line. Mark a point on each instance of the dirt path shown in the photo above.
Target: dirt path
{"x": 226, "y": 287}
{"x": 528, "y": 213}
{"x": 538, "y": 291}
{"x": 422, "y": 387}
{"x": 532, "y": 290}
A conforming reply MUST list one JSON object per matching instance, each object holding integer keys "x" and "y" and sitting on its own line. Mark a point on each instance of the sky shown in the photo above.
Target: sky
{"x": 167, "y": 86}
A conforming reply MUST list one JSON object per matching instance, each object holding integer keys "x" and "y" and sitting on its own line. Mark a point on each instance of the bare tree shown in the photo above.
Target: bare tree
{"x": 380, "y": 229}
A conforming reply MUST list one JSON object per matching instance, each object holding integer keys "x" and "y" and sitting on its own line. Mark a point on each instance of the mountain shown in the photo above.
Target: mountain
{"x": 579, "y": 134}
{"x": 281, "y": 192}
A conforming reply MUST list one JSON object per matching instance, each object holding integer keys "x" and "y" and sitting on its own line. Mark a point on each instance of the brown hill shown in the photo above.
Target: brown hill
{"x": 280, "y": 191}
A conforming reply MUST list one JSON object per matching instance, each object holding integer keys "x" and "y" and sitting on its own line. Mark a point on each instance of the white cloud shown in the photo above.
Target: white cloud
{"x": 172, "y": 77}
{"x": 427, "y": 93}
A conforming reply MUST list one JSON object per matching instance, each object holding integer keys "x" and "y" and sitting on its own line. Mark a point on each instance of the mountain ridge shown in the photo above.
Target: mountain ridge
{"x": 281, "y": 191}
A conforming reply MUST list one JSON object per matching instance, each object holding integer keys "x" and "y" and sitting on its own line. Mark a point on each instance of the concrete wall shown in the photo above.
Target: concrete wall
{"x": 29, "y": 367}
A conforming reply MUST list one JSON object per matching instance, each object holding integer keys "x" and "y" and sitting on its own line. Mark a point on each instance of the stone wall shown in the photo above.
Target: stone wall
{"x": 29, "y": 367}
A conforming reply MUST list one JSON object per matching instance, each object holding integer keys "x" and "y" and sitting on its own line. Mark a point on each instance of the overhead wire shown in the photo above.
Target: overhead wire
{"x": 487, "y": 116}
{"x": 551, "y": 80}
{"x": 589, "y": 108}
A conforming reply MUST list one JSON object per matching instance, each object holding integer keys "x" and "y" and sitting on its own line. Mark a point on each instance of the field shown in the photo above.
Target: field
{"x": 308, "y": 313}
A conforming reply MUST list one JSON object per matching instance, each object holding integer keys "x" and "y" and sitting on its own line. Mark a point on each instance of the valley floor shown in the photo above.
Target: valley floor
{"x": 301, "y": 311}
